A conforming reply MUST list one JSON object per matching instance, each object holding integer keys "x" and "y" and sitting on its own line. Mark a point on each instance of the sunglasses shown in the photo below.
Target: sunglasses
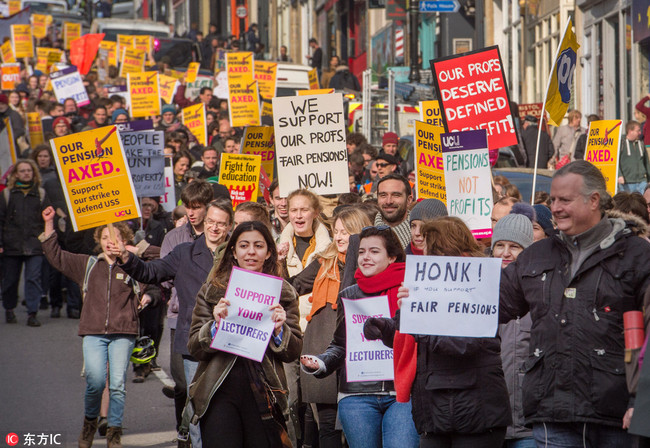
{"x": 383, "y": 165}
{"x": 380, "y": 228}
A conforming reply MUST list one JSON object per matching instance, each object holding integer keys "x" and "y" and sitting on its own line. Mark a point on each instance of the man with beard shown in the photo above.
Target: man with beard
{"x": 280, "y": 212}
{"x": 210, "y": 167}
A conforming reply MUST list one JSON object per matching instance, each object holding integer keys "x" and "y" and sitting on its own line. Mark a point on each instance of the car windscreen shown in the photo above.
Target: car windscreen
{"x": 38, "y": 7}
{"x": 179, "y": 52}
{"x": 111, "y": 33}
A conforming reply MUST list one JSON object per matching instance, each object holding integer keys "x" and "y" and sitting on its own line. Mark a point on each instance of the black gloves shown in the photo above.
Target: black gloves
{"x": 380, "y": 328}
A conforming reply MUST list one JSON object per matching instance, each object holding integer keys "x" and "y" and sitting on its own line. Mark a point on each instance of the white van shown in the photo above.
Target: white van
{"x": 291, "y": 77}
{"x": 113, "y": 27}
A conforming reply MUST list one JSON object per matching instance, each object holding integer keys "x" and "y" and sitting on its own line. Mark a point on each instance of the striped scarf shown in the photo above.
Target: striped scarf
{"x": 402, "y": 231}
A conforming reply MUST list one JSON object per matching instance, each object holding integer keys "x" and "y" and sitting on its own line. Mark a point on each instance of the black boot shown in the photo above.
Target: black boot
{"x": 10, "y": 316}
{"x": 32, "y": 321}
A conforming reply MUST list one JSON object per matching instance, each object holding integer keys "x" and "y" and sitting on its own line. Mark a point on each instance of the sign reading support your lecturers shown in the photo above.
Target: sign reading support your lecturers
{"x": 310, "y": 144}
{"x": 603, "y": 146}
{"x": 366, "y": 360}
{"x": 248, "y": 328}
{"x": 468, "y": 179}
{"x": 451, "y": 296}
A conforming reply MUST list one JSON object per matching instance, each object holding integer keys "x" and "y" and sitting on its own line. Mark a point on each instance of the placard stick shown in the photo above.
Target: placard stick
{"x": 111, "y": 233}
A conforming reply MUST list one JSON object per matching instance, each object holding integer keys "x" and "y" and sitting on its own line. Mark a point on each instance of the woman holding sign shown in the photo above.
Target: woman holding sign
{"x": 369, "y": 412}
{"x": 240, "y": 402}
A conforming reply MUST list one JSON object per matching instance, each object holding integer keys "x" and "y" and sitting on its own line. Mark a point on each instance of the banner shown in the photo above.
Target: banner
{"x": 248, "y": 328}
{"x": 67, "y": 83}
{"x": 560, "y": 81}
{"x": 243, "y": 103}
{"x": 71, "y": 31}
{"x": 474, "y": 95}
{"x": 168, "y": 200}
{"x": 366, "y": 360}
{"x": 314, "y": 92}
{"x": 239, "y": 66}
{"x": 192, "y": 72}
{"x": 10, "y": 76}
{"x": 21, "y": 38}
{"x": 111, "y": 51}
{"x": 35, "y": 128}
{"x": 143, "y": 90}
{"x": 310, "y": 144}
{"x": 312, "y": 75}
{"x": 429, "y": 171}
{"x": 451, "y": 296}
{"x": 266, "y": 76}
{"x": 40, "y": 23}
{"x": 144, "y": 152}
{"x": 167, "y": 86}
{"x": 534, "y": 109}
{"x": 468, "y": 179}
{"x": 603, "y": 146}
{"x": 194, "y": 120}
{"x": 240, "y": 173}
{"x": 95, "y": 176}
{"x": 132, "y": 61}
{"x": 7, "y": 52}
{"x": 84, "y": 50}
{"x": 260, "y": 141}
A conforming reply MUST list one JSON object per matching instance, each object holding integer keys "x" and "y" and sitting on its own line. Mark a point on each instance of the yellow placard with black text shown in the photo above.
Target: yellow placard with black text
{"x": 429, "y": 169}
{"x": 7, "y": 52}
{"x": 144, "y": 92}
{"x": 124, "y": 41}
{"x": 192, "y": 72}
{"x": 266, "y": 77}
{"x": 132, "y": 61}
{"x": 430, "y": 113}
{"x": 144, "y": 43}
{"x": 21, "y": 39}
{"x": 35, "y": 127}
{"x": 260, "y": 141}
{"x": 312, "y": 75}
{"x": 71, "y": 31}
{"x": 111, "y": 49}
{"x": 167, "y": 85}
{"x": 40, "y": 23}
{"x": 194, "y": 120}
{"x": 243, "y": 103}
{"x": 240, "y": 173}
{"x": 603, "y": 145}
{"x": 239, "y": 66}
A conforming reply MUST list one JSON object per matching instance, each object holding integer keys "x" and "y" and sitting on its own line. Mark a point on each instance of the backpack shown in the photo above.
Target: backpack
{"x": 90, "y": 264}
{"x": 6, "y": 192}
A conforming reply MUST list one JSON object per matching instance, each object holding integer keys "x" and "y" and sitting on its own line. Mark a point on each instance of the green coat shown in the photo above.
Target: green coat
{"x": 633, "y": 167}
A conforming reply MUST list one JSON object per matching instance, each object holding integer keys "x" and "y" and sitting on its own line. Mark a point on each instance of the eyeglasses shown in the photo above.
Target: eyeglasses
{"x": 211, "y": 223}
{"x": 383, "y": 165}
{"x": 380, "y": 228}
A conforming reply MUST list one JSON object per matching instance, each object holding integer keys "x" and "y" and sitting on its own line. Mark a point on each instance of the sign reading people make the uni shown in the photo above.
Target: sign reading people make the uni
{"x": 473, "y": 95}
{"x": 248, "y": 328}
{"x": 95, "y": 175}
{"x": 144, "y": 92}
{"x": 243, "y": 103}
{"x": 67, "y": 83}
{"x": 310, "y": 144}
{"x": 451, "y": 296}
{"x": 260, "y": 141}
{"x": 603, "y": 146}
{"x": 468, "y": 182}
{"x": 429, "y": 172}
{"x": 144, "y": 152}
{"x": 366, "y": 360}
{"x": 240, "y": 173}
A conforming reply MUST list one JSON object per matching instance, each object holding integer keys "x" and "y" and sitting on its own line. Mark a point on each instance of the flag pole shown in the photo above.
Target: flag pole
{"x": 539, "y": 135}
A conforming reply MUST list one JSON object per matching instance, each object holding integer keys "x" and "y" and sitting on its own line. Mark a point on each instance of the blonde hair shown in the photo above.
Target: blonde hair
{"x": 353, "y": 221}
{"x": 36, "y": 178}
{"x": 314, "y": 202}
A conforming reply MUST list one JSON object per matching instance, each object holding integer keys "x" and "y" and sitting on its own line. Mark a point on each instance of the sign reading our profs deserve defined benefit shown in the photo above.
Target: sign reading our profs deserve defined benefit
{"x": 366, "y": 360}
{"x": 451, "y": 296}
{"x": 97, "y": 184}
{"x": 310, "y": 144}
{"x": 467, "y": 179}
{"x": 248, "y": 328}
{"x": 474, "y": 95}
{"x": 603, "y": 146}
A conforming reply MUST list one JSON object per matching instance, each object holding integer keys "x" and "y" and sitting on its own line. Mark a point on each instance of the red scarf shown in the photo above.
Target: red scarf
{"x": 404, "y": 345}
{"x": 415, "y": 250}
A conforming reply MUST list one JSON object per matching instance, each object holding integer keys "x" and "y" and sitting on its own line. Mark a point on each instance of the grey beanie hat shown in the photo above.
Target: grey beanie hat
{"x": 428, "y": 209}
{"x": 514, "y": 227}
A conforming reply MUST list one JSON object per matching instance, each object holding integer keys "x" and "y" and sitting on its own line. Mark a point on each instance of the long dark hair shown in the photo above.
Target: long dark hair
{"x": 271, "y": 267}
{"x": 391, "y": 242}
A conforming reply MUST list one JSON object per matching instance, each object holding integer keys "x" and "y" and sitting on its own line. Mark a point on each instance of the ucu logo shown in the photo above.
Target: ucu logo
{"x": 450, "y": 141}
{"x": 123, "y": 213}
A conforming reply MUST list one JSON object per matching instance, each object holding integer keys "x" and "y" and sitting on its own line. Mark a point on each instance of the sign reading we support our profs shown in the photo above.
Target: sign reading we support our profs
{"x": 473, "y": 95}
{"x": 266, "y": 75}
{"x": 240, "y": 173}
{"x": 194, "y": 120}
{"x": 243, "y": 103}
{"x": 21, "y": 38}
{"x": 96, "y": 181}
{"x": 366, "y": 360}
{"x": 67, "y": 83}
{"x": 451, "y": 296}
{"x": 144, "y": 152}
{"x": 143, "y": 90}
{"x": 468, "y": 182}
{"x": 603, "y": 146}
{"x": 310, "y": 144}
{"x": 248, "y": 328}
{"x": 260, "y": 140}
{"x": 429, "y": 172}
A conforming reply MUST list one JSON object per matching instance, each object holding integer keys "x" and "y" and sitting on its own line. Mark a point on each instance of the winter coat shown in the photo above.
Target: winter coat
{"x": 21, "y": 221}
{"x": 633, "y": 162}
{"x": 546, "y": 149}
{"x": 575, "y": 370}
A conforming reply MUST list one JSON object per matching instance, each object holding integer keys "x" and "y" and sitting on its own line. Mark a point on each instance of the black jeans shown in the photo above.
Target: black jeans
{"x": 328, "y": 436}
{"x": 490, "y": 439}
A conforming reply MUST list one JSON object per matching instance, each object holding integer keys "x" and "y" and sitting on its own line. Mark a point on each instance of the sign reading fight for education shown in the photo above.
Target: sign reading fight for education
{"x": 603, "y": 146}
{"x": 260, "y": 141}
{"x": 468, "y": 183}
{"x": 143, "y": 90}
{"x": 67, "y": 83}
{"x": 96, "y": 181}
{"x": 35, "y": 128}
{"x": 239, "y": 66}
{"x": 144, "y": 152}
{"x": 243, "y": 103}
{"x": 451, "y": 296}
{"x": 71, "y": 31}
{"x": 194, "y": 120}
{"x": 310, "y": 144}
{"x": 248, "y": 328}
{"x": 10, "y": 76}
{"x": 240, "y": 173}
{"x": 429, "y": 171}
{"x": 21, "y": 38}
{"x": 266, "y": 75}
{"x": 366, "y": 360}
{"x": 473, "y": 95}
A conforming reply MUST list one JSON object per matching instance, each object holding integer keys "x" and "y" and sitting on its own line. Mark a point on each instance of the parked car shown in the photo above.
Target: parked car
{"x": 522, "y": 178}
{"x": 112, "y": 27}
{"x": 45, "y": 6}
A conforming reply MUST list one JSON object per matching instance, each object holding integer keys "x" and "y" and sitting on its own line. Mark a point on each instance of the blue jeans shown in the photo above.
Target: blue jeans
{"x": 526, "y": 442}
{"x": 587, "y": 435}
{"x": 376, "y": 421}
{"x": 634, "y": 187}
{"x": 114, "y": 349}
{"x": 190, "y": 367}
{"x": 11, "y": 268}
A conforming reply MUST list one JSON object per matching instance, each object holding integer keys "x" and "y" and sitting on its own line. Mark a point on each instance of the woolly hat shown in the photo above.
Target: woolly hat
{"x": 544, "y": 217}
{"x": 63, "y": 119}
{"x": 428, "y": 209}
{"x": 168, "y": 108}
{"x": 514, "y": 227}
{"x": 389, "y": 137}
{"x": 116, "y": 113}
{"x": 4, "y": 99}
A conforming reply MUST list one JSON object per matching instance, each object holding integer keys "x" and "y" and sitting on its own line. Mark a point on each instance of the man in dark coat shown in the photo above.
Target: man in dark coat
{"x": 529, "y": 136}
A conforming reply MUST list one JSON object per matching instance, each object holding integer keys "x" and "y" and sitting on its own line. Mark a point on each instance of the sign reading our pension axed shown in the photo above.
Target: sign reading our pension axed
{"x": 312, "y": 76}
{"x": 473, "y": 95}
{"x": 429, "y": 173}
{"x": 239, "y": 66}
{"x": 468, "y": 179}
{"x": 111, "y": 52}
{"x": 144, "y": 151}
{"x": 7, "y": 53}
{"x": 243, "y": 103}
{"x": 366, "y": 360}
{"x": 260, "y": 141}
{"x": 39, "y": 25}
{"x": 430, "y": 113}
{"x": 265, "y": 75}
{"x": 35, "y": 128}
{"x": 451, "y": 296}
{"x": 143, "y": 90}
{"x": 603, "y": 146}
{"x": 67, "y": 83}
{"x": 168, "y": 86}
{"x": 21, "y": 38}
{"x": 96, "y": 181}
{"x": 240, "y": 173}
{"x": 132, "y": 61}
{"x": 194, "y": 120}
{"x": 248, "y": 328}
{"x": 310, "y": 144}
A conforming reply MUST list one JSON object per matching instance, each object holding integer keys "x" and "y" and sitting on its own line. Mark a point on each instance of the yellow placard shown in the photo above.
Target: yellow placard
{"x": 71, "y": 31}
{"x": 35, "y": 128}
{"x": 312, "y": 75}
{"x": 14, "y": 6}
{"x": 243, "y": 103}
{"x": 42, "y": 54}
{"x": 603, "y": 145}
{"x": 266, "y": 77}
{"x": 12, "y": 143}
{"x": 124, "y": 41}
{"x": 240, "y": 173}
{"x": 143, "y": 43}
{"x": 144, "y": 91}
{"x": 167, "y": 86}
{"x": 132, "y": 61}
{"x": 430, "y": 113}
{"x": 267, "y": 109}
{"x": 7, "y": 52}
{"x": 53, "y": 57}
{"x": 260, "y": 141}
{"x": 239, "y": 66}
{"x": 177, "y": 74}
{"x": 111, "y": 48}
{"x": 194, "y": 120}
{"x": 192, "y": 72}
{"x": 429, "y": 171}
{"x": 95, "y": 175}
{"x": 315, "y": 92}
{"x": 10, "y": 75}
{"x": 39, "y": 24}
{"x": 21, "y": 39}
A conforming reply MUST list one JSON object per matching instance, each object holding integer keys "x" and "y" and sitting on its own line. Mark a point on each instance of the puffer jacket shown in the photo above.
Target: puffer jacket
{"x": 575, "y": 369}
{"x": 21, "y": 221}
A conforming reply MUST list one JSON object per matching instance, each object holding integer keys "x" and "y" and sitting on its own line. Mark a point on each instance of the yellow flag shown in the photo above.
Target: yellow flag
{"x": 558, "y": 93}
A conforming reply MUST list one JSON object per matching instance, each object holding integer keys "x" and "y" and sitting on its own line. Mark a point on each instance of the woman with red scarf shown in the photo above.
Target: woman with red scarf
{"x": 370, "y": 412}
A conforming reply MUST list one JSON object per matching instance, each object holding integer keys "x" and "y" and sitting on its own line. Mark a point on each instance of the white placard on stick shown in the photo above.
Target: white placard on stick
{"x": 67, "y": 83}
{"x": 248, "y": 328}
{"x": 310, "y": 144}
{"x": 366, "y": 360}
{"x": 451, "y": 296}
{"x": 144, "y": 151}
